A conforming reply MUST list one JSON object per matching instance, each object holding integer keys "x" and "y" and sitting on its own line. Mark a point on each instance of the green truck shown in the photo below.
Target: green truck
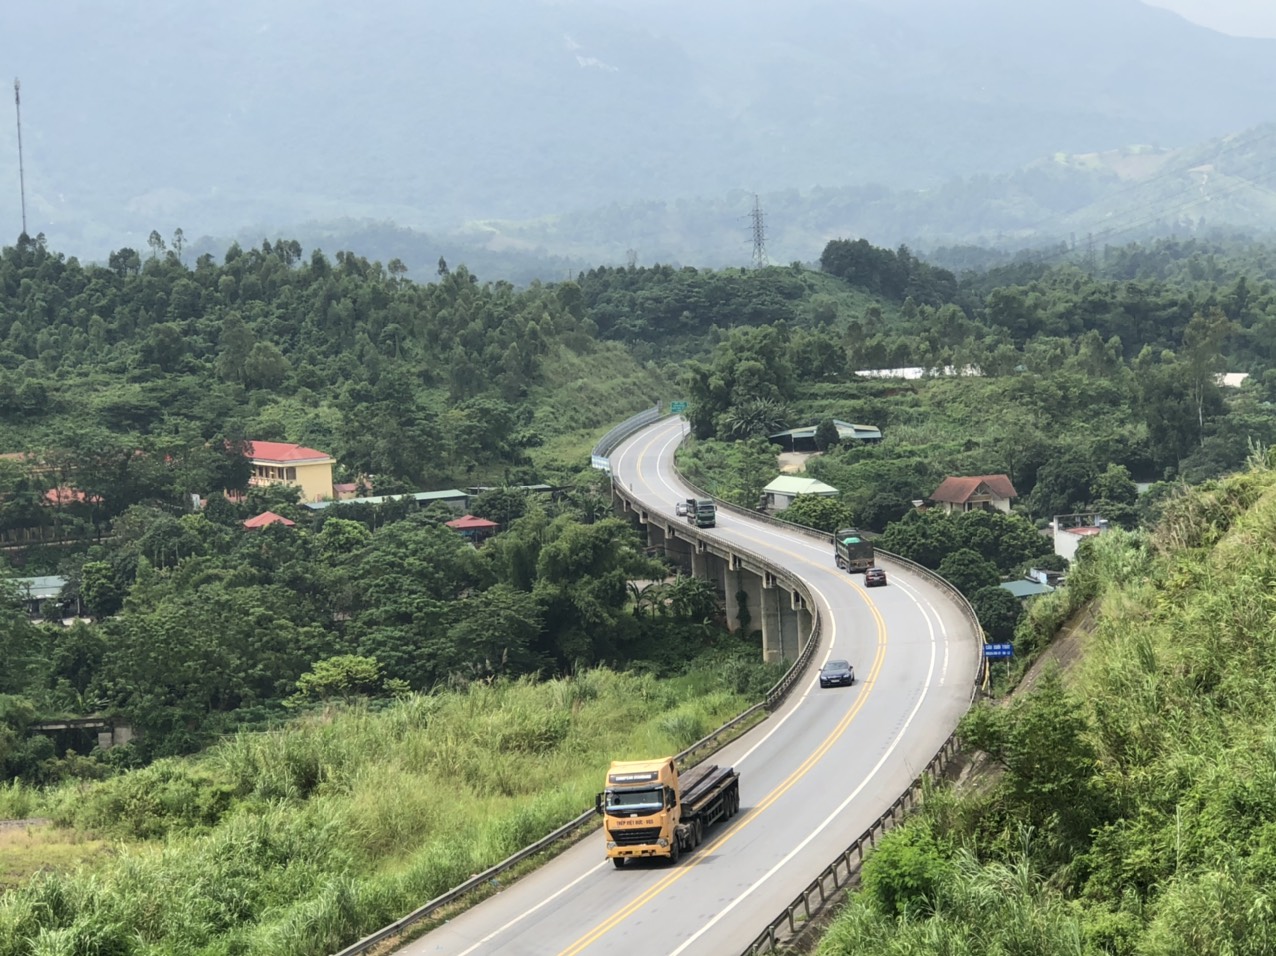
{"x": 702, "y": 512}
{"x": 852, "y": 551}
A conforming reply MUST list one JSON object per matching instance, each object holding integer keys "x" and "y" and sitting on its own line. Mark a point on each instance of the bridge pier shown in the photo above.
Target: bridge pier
{"x": 754, "y": 601}
{"x": 804, "y": 621}
{"x": 772, "y": 624}
{"x": 744, "y": 598}
{"x": 680, "y": 549}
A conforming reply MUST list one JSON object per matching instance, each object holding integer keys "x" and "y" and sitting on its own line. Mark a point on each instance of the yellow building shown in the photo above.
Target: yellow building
{"x": 277, "y": 462}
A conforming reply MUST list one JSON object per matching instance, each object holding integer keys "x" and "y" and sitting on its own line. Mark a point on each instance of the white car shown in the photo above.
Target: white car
{"x": 680, "y": 509}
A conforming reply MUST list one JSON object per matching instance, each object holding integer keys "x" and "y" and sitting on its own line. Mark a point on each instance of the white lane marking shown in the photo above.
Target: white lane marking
{"x": 827, "y": 820}
{"x": 528, "y": 912}
{"x": 929, "y": 614}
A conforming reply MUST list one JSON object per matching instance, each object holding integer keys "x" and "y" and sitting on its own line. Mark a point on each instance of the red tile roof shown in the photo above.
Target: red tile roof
{"x": 268, "y": 517}
{"x": 959, "y": 490}
{"x": 66, "y": 496}
{"x": 471, "y": 523}
{"x": 282, "y": 451}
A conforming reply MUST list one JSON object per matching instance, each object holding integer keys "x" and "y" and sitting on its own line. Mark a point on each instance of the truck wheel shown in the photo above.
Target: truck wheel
{"x": 697, "y": 833}
{"x": 618, "y": 862}
{"x": 675, "y": 850}
{"x": 735, "y": 800}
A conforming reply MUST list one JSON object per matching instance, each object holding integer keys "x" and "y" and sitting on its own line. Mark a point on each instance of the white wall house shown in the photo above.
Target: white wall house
{"x": 779, "y": 494}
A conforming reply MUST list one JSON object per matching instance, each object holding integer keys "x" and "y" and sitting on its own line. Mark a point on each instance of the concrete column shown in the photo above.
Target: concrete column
{"x": 655, "y": 535}
{"x": 744, "y": 600}
{"x": 702, "y": 566}
{"x": 772, "y": 620}
{"x": 678, "y": 548}
{"x": 790, "y": 637}
{"x": 804, "y": 624}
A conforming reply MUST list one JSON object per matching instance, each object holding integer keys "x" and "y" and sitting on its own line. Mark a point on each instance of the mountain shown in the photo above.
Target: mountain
{"x": 261, "y": 116}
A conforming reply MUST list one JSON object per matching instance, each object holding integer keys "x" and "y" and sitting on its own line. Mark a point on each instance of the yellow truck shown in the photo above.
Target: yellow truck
{"x": 650, "y": 810}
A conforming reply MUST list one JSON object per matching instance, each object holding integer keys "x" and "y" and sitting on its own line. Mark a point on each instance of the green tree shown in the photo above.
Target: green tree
{"x": 1203, "y": 341}
{"x": 827, "y": 435}
{"x": 968, "y": 571}
{"x": 818, "y": 511}
{"x": 1042, "y": 742}
{"x": 494, "y": 632}
{"x": 998, "y": 611}
{"x": 906, "y": 871}
{"x": 346, "y": 676}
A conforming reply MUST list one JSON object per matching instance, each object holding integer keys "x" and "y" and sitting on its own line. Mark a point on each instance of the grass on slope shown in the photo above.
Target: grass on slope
{"x": 1135, "y": 810}
{"x": 294, "y": 843}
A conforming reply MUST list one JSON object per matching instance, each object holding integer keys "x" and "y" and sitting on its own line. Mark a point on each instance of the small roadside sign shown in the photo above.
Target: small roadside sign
{"x": 999, "y": 650}
{"x": 677, "y": 407}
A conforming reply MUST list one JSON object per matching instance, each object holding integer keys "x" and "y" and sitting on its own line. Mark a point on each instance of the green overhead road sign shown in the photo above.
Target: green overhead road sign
{"x": 677, "y": 407}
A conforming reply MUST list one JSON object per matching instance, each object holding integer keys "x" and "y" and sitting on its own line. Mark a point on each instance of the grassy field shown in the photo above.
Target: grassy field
{"x": 297, "y": 842}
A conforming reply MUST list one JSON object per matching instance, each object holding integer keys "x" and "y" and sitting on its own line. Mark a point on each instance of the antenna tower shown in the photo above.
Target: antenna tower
{"x": 22, "y": 179}
{"x": 759, "y": 234}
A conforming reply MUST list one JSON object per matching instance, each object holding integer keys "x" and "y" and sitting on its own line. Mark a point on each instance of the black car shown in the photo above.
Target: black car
{"x": 874, "y": 577}
{"x": 837, "y": 673}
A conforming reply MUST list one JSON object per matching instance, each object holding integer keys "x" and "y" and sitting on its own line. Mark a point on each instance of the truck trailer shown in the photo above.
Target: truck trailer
{"x": 852, "y": 551}
{"x": 650, "y": 810}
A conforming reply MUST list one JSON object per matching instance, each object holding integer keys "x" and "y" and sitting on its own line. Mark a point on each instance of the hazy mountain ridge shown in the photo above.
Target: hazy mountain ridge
{"x": 256, "y": 117}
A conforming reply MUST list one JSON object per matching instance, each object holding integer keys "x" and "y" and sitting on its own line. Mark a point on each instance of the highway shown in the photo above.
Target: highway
{"x": 814, "y": 775}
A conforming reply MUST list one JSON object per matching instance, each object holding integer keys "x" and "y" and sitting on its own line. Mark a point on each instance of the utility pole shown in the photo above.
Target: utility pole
{"x": 759, "y": 234}
{"x": 22, "y": 179}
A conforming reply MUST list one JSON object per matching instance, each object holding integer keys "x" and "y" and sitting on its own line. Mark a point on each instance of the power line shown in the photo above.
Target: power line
{"x": 22, "y": 179}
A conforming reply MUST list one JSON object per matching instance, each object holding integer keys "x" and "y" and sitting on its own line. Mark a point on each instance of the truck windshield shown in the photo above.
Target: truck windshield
{"x": 635, "y": 801}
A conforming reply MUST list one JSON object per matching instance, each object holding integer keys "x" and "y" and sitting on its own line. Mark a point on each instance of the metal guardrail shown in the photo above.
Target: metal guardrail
{"x": 921, "y": 570}
{"x": 773, "y": 698}
{"x": 609, "y": 441}
{"x": 475, "y": 882}
{"x": 776, "y": 695}
{"x": 844, "y": 871}
{"x": 839, "y": 874}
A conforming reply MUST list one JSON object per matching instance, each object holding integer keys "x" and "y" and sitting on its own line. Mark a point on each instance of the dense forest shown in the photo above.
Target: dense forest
{"x": 129, "y": 388}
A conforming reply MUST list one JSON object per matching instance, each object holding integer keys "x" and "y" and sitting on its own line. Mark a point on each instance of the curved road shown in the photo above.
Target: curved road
{"x": 813, "y": 776}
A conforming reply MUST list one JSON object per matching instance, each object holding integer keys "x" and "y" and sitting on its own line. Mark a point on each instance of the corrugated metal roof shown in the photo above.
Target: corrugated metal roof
{"x": 844, "y": 430}
{"x": 1024, "y": 589}
{"x": 39, "y": 588}
{"x": 450, "y": 494}
{"x": 793, "y": 485}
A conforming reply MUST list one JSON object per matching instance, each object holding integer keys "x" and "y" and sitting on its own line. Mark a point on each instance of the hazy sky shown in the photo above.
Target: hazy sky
{"x": 1254, "y": 18}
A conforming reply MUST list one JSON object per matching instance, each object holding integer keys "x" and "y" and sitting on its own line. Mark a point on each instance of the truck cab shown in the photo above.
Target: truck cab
{"x": 705, "y": 514}
{"x": 649, "y": 810}
{"x": 640, "y": 808}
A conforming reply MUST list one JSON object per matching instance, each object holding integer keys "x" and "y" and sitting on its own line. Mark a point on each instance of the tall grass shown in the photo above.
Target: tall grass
{"x": 19, "y": 801}
{"x": 298, "y": 841}
{"x": 1179, "y": 706}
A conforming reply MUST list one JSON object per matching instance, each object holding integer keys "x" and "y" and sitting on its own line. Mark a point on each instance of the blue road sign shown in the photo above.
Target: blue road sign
{"x": 999, "y": 650}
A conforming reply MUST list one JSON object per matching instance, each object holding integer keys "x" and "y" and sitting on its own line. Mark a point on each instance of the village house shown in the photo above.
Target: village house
{"x": 277, "y": 462}
{"x": 975, "y": 493}
{"x": 782, "y": 491}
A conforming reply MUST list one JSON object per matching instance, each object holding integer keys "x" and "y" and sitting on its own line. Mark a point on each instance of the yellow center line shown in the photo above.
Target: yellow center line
{"x": 765, "y": 803}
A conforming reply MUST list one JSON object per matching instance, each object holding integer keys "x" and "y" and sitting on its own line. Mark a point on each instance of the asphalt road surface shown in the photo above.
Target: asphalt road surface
{"x": 813, "y": 776}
